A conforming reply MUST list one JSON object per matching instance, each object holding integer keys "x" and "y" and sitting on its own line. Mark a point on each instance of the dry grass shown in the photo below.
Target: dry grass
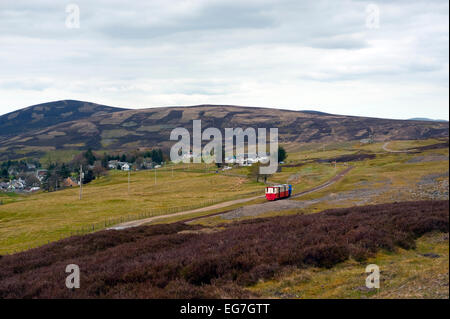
{"x": 29, "y": 221}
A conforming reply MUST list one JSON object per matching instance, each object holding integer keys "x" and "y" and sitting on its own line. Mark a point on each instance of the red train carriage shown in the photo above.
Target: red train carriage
{"x": 278, "y": 191}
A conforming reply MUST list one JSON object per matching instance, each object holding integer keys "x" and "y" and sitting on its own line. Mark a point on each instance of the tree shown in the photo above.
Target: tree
{"x": 88, "y": 176}
{"x": 254, "y": 173}
{"x": 90, "y": 157}
{"x": 105, "y": 160}
{"x": 139, "y": 161}
{"x": 4, "y": 173}
{"x": 31, "y": 180}
{"x": 282, "y": 155}
{"x": 50, "y": 180}
{"x": 99, "y": 170}
{"x": 64, "y": 171}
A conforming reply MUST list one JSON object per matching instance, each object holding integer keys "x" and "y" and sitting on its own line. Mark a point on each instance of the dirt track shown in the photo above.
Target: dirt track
{"x": 385, "y": 147}
{"x": 141, "y": 222}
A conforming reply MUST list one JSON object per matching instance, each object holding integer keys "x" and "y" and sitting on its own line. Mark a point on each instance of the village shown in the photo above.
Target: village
{"x": 27, "y": 177}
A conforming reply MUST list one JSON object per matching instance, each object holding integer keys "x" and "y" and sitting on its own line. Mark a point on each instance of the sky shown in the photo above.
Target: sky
{"x": 382, "y": 58}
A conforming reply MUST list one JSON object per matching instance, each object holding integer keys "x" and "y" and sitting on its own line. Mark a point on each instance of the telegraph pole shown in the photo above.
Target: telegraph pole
{"x": 155, "y": 175}
{"x": 81, "y": 181}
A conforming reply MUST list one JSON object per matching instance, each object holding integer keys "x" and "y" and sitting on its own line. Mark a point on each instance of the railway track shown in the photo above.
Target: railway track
{"x": 140, "y": 222}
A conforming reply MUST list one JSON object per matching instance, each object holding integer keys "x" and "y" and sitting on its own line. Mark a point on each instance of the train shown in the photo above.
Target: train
{"x": 278, "y": 191}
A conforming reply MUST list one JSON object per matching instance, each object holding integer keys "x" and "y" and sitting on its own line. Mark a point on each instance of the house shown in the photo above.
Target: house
{"x": 40, "y": 174}
{"x": 69, "y": 182}
{"x": 113, "y": 164}
{"x": 147, "y": 164}
{"x": 16, "y": 184}
{"x": 125, "y": 167}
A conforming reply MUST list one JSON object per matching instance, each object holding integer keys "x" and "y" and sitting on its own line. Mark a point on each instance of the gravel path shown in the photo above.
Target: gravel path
{"x": 385, "y": 147}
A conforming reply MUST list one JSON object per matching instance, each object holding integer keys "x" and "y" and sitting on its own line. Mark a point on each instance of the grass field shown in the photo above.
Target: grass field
{"x": 32, "y": 220}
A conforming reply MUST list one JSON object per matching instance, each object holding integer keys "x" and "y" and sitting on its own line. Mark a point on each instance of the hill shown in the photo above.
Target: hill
{"x": 38, "y": 117}
{"x": 65, "y": 125}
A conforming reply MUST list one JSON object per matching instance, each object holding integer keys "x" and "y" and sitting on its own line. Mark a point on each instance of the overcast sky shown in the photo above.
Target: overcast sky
{"x": 376, "y": 58}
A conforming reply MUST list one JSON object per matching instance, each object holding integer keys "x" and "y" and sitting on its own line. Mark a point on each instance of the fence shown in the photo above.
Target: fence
{"x": 109, "y": 222}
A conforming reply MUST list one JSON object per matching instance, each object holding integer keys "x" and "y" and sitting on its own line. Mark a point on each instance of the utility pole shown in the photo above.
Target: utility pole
{"x": 81, "y": 180}
{"x": 155, "y": 175}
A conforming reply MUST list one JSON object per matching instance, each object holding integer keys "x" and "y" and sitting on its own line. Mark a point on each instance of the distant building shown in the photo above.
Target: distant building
{"x": 16, "y": 185}
{"x": 125, "y": 167}
{"x": 147, "y": 164}
{"x": 40, "y": 174}
{"x": 69, "y": 182}
{"x": 113, "y": 164}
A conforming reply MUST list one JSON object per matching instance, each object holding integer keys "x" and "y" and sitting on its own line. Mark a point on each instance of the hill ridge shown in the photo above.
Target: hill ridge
{"x": 71, "y": 124}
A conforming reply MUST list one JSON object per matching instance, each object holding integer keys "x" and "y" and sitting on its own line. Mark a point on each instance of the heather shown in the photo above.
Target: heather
{"x": 180, "y": 261}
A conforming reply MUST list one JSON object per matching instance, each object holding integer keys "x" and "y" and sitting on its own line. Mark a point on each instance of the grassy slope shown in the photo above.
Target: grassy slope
{"x": 33, "y": 220}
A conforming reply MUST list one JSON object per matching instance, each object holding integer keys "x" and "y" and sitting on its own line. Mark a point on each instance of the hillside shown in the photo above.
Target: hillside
{"x": 65, "y": 125}
{"x": 41, "y": 116}
{"x": 181, "y": 261}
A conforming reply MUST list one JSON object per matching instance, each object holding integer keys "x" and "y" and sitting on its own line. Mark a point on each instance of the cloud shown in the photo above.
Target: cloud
{"x": 284, "y": 53}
